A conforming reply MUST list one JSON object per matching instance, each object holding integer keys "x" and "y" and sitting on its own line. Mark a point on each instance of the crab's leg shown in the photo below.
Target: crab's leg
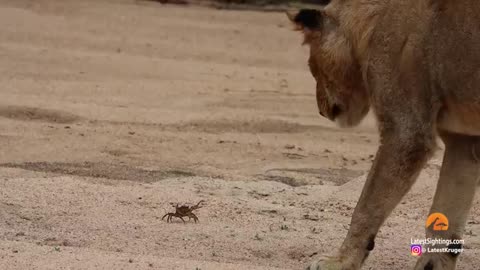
{"x": 195, "y": 218}
{"x": 181, "y": 219}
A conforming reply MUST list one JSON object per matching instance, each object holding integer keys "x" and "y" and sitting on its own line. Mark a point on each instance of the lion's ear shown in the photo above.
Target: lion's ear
{"x": 306, "y": 19}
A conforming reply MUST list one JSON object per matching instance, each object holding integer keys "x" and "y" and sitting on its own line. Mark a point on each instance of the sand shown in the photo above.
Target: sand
{"x": 112, "y": 110}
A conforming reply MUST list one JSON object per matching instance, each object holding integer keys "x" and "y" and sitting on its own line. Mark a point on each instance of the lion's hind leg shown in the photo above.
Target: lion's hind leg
{"x": 455, "y": 192}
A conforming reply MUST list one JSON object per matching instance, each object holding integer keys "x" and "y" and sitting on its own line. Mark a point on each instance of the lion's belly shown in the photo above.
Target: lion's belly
{"x": 460, "y": 119}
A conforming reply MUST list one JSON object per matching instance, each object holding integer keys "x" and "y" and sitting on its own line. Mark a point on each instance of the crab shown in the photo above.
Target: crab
{"x": 184, "y": 210}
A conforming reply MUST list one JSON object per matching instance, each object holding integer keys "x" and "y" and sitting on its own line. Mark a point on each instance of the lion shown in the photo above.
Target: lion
{"x": 416, "y": 64}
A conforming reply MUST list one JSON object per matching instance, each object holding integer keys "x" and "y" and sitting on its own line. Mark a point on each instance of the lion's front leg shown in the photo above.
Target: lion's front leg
{"x": 396, "y": 167}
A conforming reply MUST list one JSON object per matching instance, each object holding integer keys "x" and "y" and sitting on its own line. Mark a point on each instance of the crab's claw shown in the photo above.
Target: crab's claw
{"x": 201, "y": 203}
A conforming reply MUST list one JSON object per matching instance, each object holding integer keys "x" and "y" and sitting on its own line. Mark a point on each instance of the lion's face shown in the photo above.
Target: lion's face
{"x": 341, "y": 94}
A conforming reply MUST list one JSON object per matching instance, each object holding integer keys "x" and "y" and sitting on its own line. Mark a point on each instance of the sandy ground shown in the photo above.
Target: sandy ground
{"x": 111, "y": 110}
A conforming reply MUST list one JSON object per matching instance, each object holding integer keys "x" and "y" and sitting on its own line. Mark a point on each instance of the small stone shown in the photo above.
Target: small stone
{"x": 289, "y": 146}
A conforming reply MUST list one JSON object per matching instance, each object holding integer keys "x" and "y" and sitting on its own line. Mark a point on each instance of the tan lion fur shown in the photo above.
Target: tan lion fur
{"x": 417, "y": 64}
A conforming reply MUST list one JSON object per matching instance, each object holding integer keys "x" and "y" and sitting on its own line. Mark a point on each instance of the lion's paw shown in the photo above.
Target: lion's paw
{"x": 436, "y": 261}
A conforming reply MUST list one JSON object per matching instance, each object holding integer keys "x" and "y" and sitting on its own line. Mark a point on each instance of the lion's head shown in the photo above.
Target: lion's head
{"x": 341, "y": 93}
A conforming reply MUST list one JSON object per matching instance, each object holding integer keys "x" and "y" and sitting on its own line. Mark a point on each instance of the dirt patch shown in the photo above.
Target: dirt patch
{"x": 253, "y": 126}
{"x": 24, "y": 113}
{"x": 224, "y": 125}
{"x": 311, "y": 176}
{"x": 100, "y": 170}
{"x": 258, "y": 5}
